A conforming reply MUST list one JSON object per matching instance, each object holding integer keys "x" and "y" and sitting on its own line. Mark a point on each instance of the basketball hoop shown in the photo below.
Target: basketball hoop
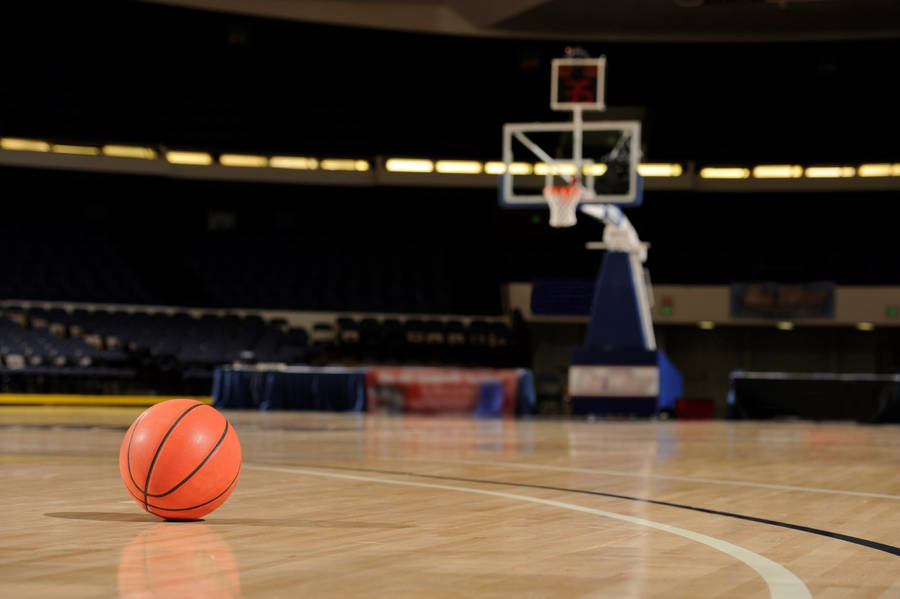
{"x": 563, "y": 200}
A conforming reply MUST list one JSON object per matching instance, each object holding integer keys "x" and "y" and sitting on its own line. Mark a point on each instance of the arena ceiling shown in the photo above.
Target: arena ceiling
{"x": 609, "y": 20}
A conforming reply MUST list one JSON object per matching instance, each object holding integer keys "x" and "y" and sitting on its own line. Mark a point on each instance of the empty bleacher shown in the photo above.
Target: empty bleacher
{"x": 274, "y": 272}
{"x": 65, "y": 264}
{"x": 172, "y": 351}
{"x": 37, "y": 354}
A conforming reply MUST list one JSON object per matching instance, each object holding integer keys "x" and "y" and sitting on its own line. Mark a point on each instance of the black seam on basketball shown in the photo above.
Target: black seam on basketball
{"x": 138, "y": 499}
{"x": 193, "y": 507}
{"x": 128, "y": 452}
{"x": 194, "y": 471}
{"x": 140, "y": 492}
{"x": 159, "y": 449}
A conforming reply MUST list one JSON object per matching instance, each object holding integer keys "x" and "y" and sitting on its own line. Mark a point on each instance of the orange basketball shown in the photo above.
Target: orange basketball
{"x": 180, "y": 459}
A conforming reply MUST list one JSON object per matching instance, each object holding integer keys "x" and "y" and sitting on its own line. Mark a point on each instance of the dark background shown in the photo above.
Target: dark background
{"x": 129, "y": 72}
{"x": 135, "y": 72}
{"x": 142, "y": 73}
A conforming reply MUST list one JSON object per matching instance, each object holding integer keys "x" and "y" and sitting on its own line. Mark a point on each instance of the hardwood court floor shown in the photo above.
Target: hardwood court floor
{"x": 343, "y": 505}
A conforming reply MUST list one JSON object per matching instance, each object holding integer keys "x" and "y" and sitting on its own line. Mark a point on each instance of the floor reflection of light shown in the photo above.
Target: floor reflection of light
{"x": 639, "y": 447}
{"x": 490, "y": 434}
{"x": 178, "y": 560}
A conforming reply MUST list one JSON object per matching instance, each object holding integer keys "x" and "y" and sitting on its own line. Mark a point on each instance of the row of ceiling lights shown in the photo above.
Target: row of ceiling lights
{"x": 188, "y": 157}
{"x": 795, "y": 171}
{"x": 769, "y": 171}
{"x": 786, "y": 325}
{"x": 419, "y": 165}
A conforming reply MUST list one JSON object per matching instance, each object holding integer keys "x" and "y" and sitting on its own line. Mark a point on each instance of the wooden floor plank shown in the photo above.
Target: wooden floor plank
{"x": 351, "y": 505}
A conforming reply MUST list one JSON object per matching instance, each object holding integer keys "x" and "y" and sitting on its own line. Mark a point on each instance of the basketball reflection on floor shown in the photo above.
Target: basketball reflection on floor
{"x": 185, "y": 559}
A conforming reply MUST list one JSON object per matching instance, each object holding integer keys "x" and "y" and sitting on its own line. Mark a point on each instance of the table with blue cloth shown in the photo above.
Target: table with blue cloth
{"x": 327, "y": 389}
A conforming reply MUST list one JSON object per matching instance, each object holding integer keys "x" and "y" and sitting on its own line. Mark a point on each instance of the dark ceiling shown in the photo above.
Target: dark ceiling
{"x": 140, "y": 72}
{"x": 607, "y": 20}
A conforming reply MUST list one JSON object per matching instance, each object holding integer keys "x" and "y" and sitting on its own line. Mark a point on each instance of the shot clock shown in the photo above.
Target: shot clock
{"x": 577, "y": 83}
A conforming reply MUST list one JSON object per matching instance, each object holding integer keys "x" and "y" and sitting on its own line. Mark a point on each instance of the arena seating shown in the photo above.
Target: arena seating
{"x": 65, "y": 265}
{"x": 41, "y": 358}
{"x": 252, "y": 271}
{"x": 176, "y": 352}
{"x": 42, "y": 345}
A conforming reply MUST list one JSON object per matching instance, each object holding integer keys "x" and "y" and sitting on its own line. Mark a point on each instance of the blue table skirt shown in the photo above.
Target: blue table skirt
{"x": 321, "y": 389}
{"x": 327, "y": 389}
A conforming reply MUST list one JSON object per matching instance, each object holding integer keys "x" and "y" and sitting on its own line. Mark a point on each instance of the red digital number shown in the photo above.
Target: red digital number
{"x": 577, "y": 84}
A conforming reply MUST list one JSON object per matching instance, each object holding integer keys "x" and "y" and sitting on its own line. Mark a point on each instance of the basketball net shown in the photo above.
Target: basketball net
{"x": 563, "y": 201}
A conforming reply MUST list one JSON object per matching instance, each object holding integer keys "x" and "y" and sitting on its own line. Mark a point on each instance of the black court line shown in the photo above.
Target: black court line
{"x": 816, "y": 531}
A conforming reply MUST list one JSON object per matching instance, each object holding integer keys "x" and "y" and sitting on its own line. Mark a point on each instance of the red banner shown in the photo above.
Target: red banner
{"x": 439, "y": 390}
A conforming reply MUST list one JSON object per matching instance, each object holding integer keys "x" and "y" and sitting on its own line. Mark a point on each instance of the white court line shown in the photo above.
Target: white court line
{"x": 692, "y": 479}
{"x": 782, "y": 583}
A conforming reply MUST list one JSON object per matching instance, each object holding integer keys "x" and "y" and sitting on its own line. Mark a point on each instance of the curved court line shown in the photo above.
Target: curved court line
{"x": 782, "y": 583}
{"x": 682, "y": 506}
{"x": 692, "y": 479}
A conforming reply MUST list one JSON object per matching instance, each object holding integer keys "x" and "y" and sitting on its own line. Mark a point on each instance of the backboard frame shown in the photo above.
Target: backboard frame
{"x": 508, "y": 196}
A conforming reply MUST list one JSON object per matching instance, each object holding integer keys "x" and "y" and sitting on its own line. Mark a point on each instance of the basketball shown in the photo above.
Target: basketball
{"x": 180, "y": 459}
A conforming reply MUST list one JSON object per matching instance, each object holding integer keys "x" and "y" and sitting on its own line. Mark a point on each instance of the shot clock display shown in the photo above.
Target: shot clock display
{"x": 578, "y": 83}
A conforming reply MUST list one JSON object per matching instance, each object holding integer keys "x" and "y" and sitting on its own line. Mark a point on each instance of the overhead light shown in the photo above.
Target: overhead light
{"x": 659, "y": 170}
{"x": 875, "y": 170}
{"x": 567, "y": 168}
{"x": 865, "y": 326}
{"x": 24, "y": 145}
{"x": 829, "y": 172}
{"x": 598, "y": 170}
{"x": 559, "y": 168}
{"x": 706, "y": 325}
{"x": 458, "y": 167}
{"x": 140, "y": 152}
{"x": 409, "y": 165}
{"x": 494, "y": 168}
{"x": 245, "y": 160}
{"x": 179, "y": 157}
{"x": 70, "y": 149}
{"x": 724, "y": 173}
{"x": 896, "y": 170}
{"x": 343, "y": 164}
{"x": 299, "y": 163}
{"x": 785, "y": 325}
{"x": 778, "y": 171}
{"x": 515, "y": 168}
